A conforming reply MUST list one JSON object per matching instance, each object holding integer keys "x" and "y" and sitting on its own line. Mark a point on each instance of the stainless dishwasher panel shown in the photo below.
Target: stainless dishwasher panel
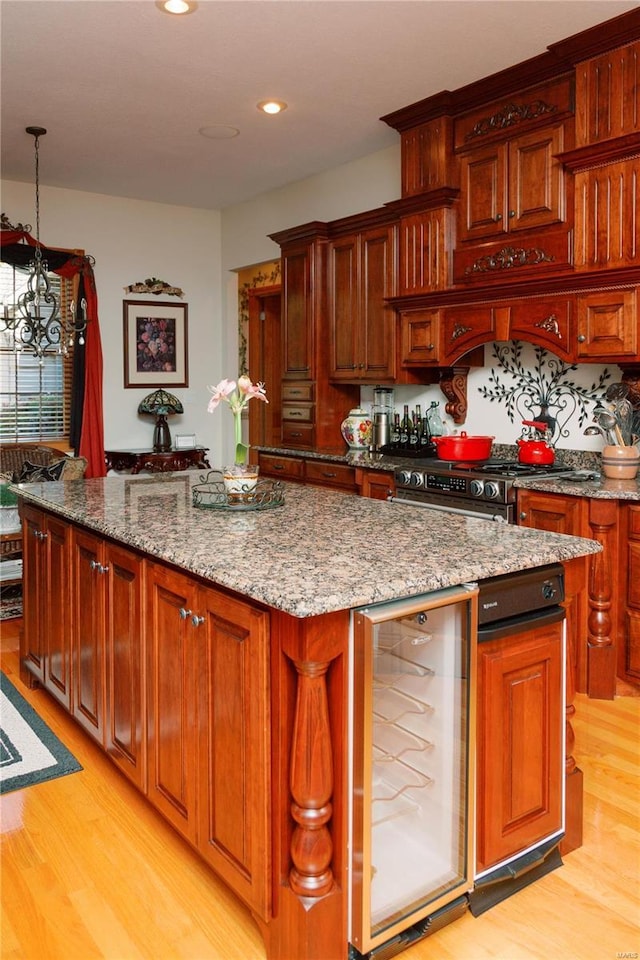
{"x": 413, "y": 761}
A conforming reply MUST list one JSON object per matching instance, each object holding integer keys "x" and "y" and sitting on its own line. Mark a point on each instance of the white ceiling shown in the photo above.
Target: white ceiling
{"x": 123, "y": 88}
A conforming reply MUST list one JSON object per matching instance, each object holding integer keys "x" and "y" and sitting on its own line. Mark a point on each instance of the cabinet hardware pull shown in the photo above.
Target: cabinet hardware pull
{"x": 93, "y": 564}
{"x": 294, "y": 434}
{"x": 196, "y": 620}
{"x": 103, "y": 569}
{"x": 498, "y": 217}
{"x": 512, "y": 214}
{"x": 184, "y": 613}
{"x": 278, "y": 466}
{"x": 523, "y": 515}
{"x": 581, "y": 338}
{"x": 430, "y": 346}
{"x": 327, "y": 473}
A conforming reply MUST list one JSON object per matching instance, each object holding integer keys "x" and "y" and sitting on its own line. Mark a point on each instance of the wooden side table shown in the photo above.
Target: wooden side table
{"x": 137, "y": 460}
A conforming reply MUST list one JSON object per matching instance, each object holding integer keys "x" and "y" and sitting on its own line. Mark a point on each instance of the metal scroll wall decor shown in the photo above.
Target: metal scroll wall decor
{"x": 543, "y": 391}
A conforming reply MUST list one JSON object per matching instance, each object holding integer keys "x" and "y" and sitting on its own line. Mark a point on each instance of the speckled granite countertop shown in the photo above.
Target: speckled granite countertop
{"x": 598, "y": 488}
{"x": 320, "y": 552}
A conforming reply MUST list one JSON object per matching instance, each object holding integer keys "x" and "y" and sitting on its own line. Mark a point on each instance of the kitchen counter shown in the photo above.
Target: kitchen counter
{"x": 598, "y": 488}
{"x": 323, "y": 551}
{"x": 222, "y": 659}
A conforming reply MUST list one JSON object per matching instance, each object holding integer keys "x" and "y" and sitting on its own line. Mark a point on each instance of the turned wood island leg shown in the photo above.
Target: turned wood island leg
{"x": 309, "y": 796}
{"x": 603, "y": 602}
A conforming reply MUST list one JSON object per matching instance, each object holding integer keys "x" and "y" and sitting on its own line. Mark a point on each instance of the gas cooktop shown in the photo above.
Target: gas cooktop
{"x": 500, "y": 468}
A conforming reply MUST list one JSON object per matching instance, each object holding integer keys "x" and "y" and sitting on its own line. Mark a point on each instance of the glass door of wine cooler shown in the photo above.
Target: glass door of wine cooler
{"x": 412, "y": 777}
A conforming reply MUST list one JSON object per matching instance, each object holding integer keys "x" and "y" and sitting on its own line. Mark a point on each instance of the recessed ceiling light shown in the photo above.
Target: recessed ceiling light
{"x": 272, "y": 106}
{"x": 176, "y": 6}
{"x": 218, "y": 131}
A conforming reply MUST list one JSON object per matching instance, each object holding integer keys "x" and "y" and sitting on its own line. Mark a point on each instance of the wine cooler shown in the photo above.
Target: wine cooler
{"x": 411, "y": 818}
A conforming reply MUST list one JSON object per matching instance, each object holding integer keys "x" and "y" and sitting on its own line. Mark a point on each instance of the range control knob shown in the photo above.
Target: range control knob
{"x": 548, "y": 590}
{"x": 417, "y": 479}
{"x": 476, "y": 487}
{"x": 404, "y": 476}
{"x": 491, "y": 490}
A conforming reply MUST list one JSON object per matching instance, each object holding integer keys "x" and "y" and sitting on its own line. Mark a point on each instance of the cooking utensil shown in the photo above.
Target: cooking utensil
{"x": 463, "y": 447}
{"x": 609, "y": 423}
{"x": 623, "y": 412}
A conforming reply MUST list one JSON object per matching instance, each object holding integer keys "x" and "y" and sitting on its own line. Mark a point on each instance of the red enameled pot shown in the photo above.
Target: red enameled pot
{"x": 462, "y": 447}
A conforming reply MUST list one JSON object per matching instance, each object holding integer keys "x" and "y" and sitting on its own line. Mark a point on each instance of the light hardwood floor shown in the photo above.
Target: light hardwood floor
{"x": 90, "y": 871}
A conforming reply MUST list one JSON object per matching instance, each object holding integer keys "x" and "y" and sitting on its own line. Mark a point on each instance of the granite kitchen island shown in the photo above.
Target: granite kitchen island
{"x": 208, "y": 652}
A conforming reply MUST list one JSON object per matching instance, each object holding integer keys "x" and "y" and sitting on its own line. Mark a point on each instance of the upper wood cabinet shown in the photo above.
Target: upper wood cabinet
{"x": 427, "y": 162}
{"x": 362, "y": 274}
{"x": 607, "y": 325}
{"x": 517, "y": 185}
{"x": 312, "y": 407}
{"x": 424, "y": 248}
{"x": 608, "y": 95}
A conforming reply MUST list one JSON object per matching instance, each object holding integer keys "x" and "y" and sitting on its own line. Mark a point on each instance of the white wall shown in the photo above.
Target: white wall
{"x": 130, "y": 241}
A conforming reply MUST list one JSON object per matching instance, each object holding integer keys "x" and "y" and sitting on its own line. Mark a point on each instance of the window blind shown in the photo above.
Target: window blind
{"x": 35, "y": 398}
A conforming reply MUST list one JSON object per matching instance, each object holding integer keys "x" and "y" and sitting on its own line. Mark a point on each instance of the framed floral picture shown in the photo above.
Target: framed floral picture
{"x": 155, "y": 344}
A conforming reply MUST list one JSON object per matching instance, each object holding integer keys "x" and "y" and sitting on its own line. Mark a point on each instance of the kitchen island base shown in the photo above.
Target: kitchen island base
{"x": 229, "y": 713}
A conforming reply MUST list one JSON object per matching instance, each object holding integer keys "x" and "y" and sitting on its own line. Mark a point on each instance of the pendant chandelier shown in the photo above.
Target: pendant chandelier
{"x": 36, "y": 321}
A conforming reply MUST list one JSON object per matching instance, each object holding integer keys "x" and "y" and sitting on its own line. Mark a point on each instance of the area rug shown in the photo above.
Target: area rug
{"x": 11, "y": 602}
{"x": 29, "y": 751}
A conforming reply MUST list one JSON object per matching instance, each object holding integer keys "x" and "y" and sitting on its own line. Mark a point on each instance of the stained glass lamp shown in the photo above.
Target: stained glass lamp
{"x": 161, "y": 405}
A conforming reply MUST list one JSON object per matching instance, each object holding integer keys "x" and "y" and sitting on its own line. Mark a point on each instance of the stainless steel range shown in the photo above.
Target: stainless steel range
{"x": 482, "y": 489}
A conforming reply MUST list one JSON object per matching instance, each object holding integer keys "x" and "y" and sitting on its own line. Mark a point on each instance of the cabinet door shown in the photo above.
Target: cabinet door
{"x": 425, "y": 249}
{"x": 89, "y": 592}
{"x": 56, "y": 627}
{"x": 375, "y": 484}
{"x": 377, "y": 319}
{"x": 608, "y": 325}
{"x": 299, "y": 280}
{"x": 344, "y": 308}
{"x": 234, "y": 746}
{"x": 536, "y": 180}
{"x": 125, "y": 734}
{"x": 32, "y": 645}
{"x": 420, "y": 332}
{"x": 326, "y": 474}
{"x": 629, "y": 651}
{"x": 520, "y": 737}
{"x": 483, "y": 202}
{"x": 172, "y": 660}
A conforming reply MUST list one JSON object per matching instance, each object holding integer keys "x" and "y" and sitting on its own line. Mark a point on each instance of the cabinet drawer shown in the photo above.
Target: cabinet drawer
{"x": 298, "y": 434}
{"x": 298, "y": 412}
{"x": 298, "y": 392}
{"x": 546, "y": 321}
{"x": 331, "y": 474}
{"x": 288, "y": 468}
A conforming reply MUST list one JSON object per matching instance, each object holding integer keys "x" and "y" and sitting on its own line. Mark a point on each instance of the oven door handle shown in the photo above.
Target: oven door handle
{"x": 435, "y": 506}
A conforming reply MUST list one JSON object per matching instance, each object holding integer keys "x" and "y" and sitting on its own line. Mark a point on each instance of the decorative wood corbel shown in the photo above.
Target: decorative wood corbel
{"x": 453, "y": 383}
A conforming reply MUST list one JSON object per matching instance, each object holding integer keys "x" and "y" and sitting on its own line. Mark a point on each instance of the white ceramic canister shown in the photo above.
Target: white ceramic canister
{"x": 356, "y": 429}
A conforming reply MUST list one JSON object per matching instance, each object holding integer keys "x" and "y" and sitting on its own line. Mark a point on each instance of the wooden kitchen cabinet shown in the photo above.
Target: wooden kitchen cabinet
{"x": 376, "y": 484}
{"x": 425, "y": 245}
{"x": 520, "y": 707}
{"x": 46, "y": 650}
{"x": 607, "y": 325}
{"x": 420, "y": 337}
{"x": 546, "y": 321}
{"x": 208, "y": 739}
{"x": 629, "y": 651}
{"x": 108, "y": 650}
{"x": 312, "y": 407}
{"x": 361, "y": 275}
{"x": 466, "y": 327}
{"x": 512, "y": 186}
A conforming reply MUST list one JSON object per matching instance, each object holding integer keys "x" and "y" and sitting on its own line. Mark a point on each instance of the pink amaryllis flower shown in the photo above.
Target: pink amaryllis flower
{"x": 237, "y": 395}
